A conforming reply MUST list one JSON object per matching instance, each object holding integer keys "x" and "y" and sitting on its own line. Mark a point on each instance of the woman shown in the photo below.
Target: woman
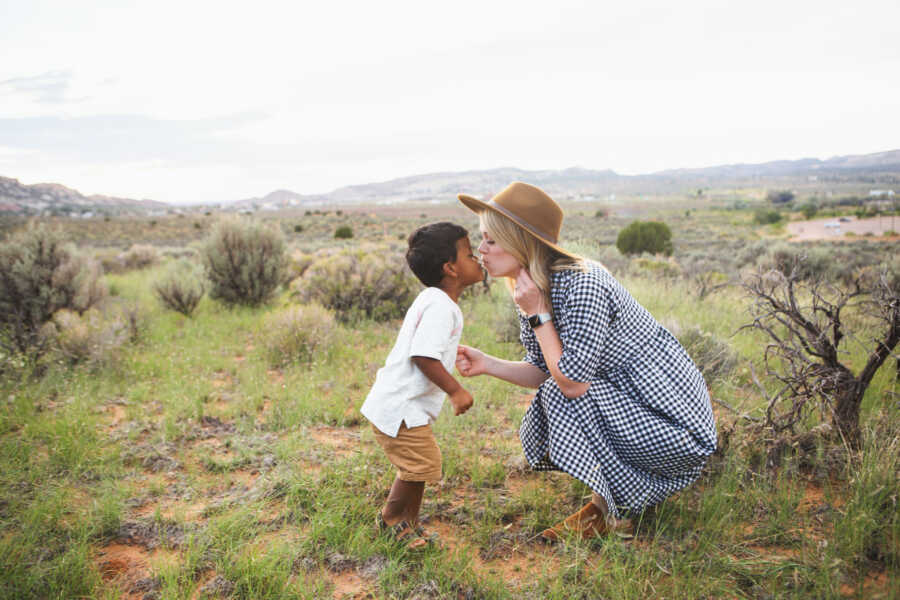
{"x": 619, "y": 404}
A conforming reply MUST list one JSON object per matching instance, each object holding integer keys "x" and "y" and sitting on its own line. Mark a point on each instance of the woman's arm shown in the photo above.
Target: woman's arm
{"x": 530, "y": 300}
{"x": 471, "y": 361}
{"x": 551, "y": 348}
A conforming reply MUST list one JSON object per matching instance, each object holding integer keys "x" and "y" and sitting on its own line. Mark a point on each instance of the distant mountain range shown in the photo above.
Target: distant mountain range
{"x": 53, "y": 198}
{"x": 840, "y": 174}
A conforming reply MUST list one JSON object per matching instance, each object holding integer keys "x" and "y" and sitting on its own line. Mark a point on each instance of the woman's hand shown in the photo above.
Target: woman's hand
{"x": 470, "y": 361}
{"x": 527, "y": 296}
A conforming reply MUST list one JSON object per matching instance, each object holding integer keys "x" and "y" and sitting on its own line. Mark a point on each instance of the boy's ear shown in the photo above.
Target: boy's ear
{"x": 449, "y": 269}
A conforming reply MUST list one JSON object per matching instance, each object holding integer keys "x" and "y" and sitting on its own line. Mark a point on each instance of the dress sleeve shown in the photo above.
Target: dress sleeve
{"x": 589, "y": 310}
{"x": 533, "y": 354}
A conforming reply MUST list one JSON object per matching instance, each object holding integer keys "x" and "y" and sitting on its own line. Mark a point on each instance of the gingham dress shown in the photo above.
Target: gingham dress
{"x": 644, "y": 428}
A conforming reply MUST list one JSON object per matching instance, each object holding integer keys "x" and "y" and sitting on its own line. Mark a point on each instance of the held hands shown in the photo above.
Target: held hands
{"x": 527, "y": 296}
{"x": 461, "y": 401}
{"x": 470, "y": 361}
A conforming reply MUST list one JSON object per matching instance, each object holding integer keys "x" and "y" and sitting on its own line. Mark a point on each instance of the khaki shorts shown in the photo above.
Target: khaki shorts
{"x": 414, "y": 452}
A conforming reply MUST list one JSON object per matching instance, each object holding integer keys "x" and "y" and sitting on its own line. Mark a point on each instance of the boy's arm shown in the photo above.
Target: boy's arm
{"x": 435, "y": 371}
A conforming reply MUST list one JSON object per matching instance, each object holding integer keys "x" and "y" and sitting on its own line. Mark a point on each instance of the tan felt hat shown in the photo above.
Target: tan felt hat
{"x": 527, "y": 206}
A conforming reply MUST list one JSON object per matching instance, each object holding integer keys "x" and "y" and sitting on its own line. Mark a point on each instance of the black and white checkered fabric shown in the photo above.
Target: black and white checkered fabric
{"x": 645, "y": 427}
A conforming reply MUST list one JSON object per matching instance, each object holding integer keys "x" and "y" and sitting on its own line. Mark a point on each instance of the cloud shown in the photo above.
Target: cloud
{"x": 48, "y": 88}
{"x": 130, "y": 138}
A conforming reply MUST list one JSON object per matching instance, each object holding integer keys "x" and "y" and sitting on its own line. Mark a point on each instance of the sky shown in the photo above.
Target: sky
{"x": 192, "y": 101}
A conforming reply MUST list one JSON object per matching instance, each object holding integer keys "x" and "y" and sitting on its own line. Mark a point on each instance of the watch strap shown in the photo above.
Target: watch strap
{"x": 539, "y": 319}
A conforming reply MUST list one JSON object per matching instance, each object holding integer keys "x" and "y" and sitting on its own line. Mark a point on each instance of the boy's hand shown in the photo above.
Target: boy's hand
{"x": 469, "y": 361}
{"x": 461, "y": 400}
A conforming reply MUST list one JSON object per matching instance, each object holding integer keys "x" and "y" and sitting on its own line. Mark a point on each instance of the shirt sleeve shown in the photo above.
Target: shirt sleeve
{"x": 589, "y": 311}
{"x": 533, "y": 354}
{"x": 433, "y": 331}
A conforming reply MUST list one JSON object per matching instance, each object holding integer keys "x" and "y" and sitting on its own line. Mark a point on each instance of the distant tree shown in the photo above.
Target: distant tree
{"x": 765, "y": 216}
{"x": 343, "y": 232}
{"x": 780, "y": 196}
{"x": 645, "y": 236}
{"x": 809, "y": 210}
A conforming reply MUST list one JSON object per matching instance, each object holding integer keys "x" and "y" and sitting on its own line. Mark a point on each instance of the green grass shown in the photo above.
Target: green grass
{"x": 220, "y": 466}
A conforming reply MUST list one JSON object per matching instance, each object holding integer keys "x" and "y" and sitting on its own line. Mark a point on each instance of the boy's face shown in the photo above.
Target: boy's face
{"x": 467, "y": 266}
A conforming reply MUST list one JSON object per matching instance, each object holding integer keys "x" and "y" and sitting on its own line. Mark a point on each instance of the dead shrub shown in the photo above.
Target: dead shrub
{"x": 297, "y": 332}
{"x": 181, "y": 287}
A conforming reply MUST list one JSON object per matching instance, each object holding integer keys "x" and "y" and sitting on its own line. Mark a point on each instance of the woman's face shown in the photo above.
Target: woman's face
{"x": 497, "y": 261}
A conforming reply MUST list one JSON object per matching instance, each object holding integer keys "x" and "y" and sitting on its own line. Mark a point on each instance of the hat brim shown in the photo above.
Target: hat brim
{"x": 477, "y": 206}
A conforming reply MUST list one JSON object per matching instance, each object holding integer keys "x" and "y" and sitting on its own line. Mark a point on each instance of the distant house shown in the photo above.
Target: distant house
{"x": 881, "y": 193}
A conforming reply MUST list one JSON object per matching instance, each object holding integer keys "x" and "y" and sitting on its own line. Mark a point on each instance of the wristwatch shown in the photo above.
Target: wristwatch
{"x": 539, "y": 319}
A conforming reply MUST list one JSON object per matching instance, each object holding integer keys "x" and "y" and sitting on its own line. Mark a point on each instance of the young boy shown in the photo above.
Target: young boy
{"x": 409, "y": 390}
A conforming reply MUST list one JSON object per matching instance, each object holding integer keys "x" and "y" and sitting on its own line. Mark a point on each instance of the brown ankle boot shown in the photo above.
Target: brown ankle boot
{"x": 587, "y": 523}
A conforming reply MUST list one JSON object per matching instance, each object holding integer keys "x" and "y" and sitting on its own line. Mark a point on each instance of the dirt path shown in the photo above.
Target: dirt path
{"x": 837, "y": 229}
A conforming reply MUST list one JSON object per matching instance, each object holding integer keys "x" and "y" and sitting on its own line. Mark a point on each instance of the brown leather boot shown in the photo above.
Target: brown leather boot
{"x": 587, "y": 523}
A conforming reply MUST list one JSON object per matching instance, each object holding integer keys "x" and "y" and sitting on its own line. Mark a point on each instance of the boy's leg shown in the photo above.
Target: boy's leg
{"x": 403, "y": 502}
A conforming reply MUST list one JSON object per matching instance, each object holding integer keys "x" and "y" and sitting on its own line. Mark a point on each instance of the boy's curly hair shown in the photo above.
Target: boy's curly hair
{"x": 430, "y": 246}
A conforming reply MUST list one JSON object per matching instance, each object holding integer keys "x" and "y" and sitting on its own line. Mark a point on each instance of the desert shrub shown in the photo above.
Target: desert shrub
{"x": 713, "y": 356}
{"x": 344, "y": 232}
{"x": 658, "y": 268}
{"x": 297, "y": 332}
{"x": 181, "y": 287}
{"x": 109, "y": 261}
{"x": 245, "y": 261}
{"x": 357, "y": 283}
{"x": 749, "y": 254}
{"x": 766, "y": 216}
{"x": 298, "y": 263}
{"x": 613, "y": 260}
{"x": 39, "y": 275}
{"x": 505, "y": 324}
{"x": 645, "y": 236}
{"x": 707, "y": 274}
{"x": 809, "y": 210}
{"x": 92, "y": 338}
{"x": 139, "y": 256}
{"x": 817, "y": 262}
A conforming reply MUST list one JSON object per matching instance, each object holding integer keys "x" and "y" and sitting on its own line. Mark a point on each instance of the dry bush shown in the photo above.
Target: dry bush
{"x": 810, "y": 321}
{"x": 139, "y": 256}
{"x": 40, "y": 274}
{"x": 298, "y": 263}
{"x": 245, "y": 261}
{"x": 614, "y": 261}
{"x": 369, "y": 282}
{"x": 109, "y": 261}
{"x": 713, "y": 356}
{"x": 707, "y": 275}
{"x": 92, "y": 338}
{"x": 181, "y": 287}
{"x": 297, "y": 332}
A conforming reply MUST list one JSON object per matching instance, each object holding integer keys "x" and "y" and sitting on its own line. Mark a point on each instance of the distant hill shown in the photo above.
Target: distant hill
{"x": 855, "y": 174}
{"x": 53, "y": 198}
{"x": 841, "y": 174}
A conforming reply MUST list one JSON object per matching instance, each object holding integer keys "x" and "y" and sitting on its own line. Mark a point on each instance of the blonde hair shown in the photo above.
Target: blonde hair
{"x": 537, "y": 257}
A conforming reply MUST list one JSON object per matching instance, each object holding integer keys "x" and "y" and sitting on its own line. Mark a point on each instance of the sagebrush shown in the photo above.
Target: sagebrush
{"x": 245, "y": 261}
{"x": 40, "y": 274}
